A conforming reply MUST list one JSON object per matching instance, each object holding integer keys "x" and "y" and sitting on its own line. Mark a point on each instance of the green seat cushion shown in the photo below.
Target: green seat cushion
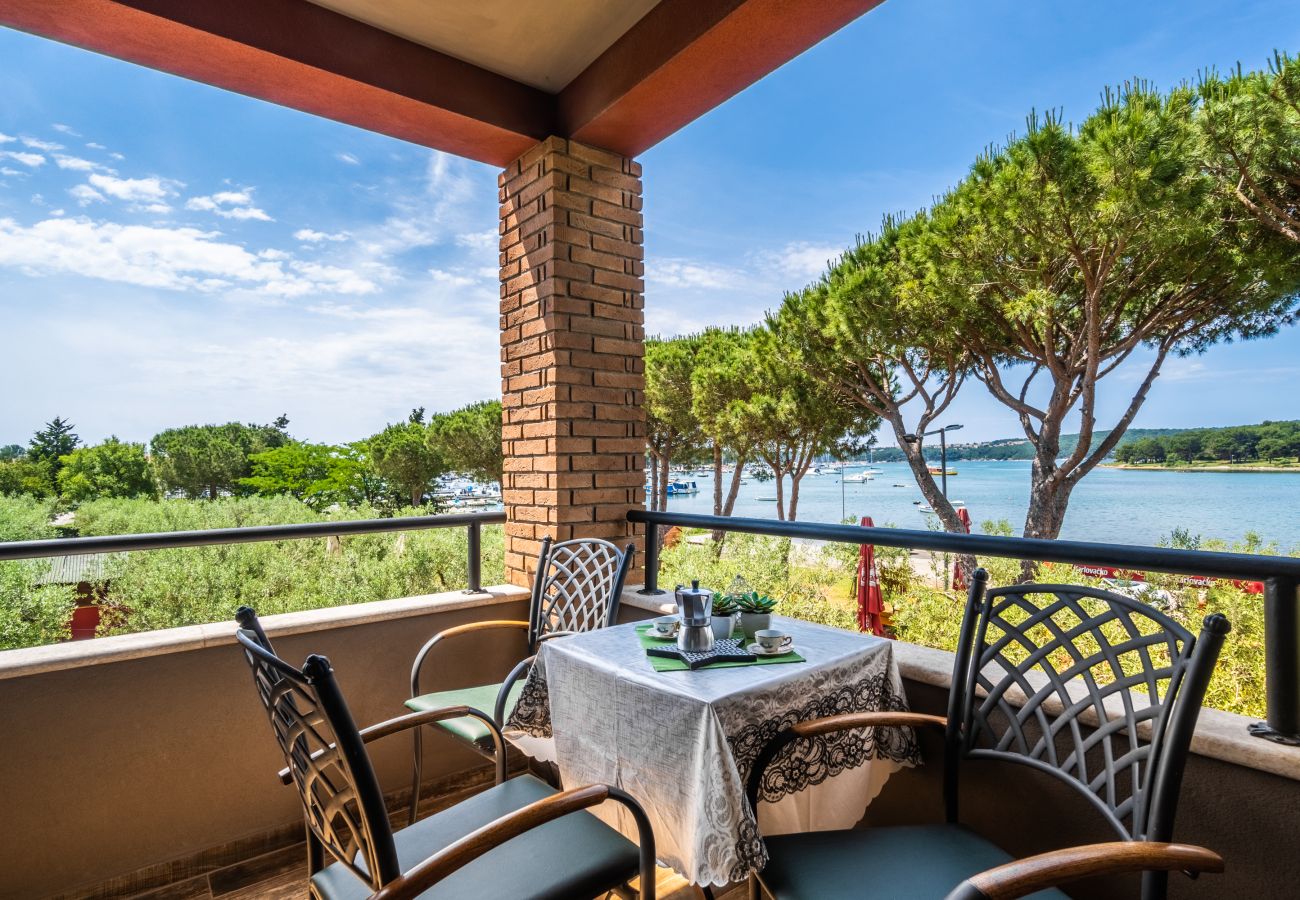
{"x": 483, "y": 698}
{"x": 914, "y": 862}
{"x": 576, "y": 856}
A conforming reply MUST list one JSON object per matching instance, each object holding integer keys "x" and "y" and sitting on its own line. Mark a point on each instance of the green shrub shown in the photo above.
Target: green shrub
{"x": 30, "y": 613}
{"x": 192, "y": 585}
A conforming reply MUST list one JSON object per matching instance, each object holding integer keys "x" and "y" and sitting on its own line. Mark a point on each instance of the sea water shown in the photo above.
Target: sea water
{"x": 1126, "y": 506}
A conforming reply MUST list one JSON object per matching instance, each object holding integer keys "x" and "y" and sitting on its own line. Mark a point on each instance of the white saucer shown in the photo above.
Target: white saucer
{"x": 651, "y": 633}
{"x": 758, "y": 650}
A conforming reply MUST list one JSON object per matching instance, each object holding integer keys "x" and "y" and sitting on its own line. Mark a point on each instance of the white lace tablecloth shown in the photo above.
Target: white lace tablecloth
{"x": 682, "y": 743}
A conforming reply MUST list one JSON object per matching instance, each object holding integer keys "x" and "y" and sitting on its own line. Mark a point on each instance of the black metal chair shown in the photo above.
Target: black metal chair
{"x": 576, "y": 588}
{"x": 1045, "y": 676}
{"x": 518, "y": 839}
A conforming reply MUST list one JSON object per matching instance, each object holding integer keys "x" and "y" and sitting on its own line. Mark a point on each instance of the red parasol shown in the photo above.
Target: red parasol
{"x": 958, "y": 579}
{"x": 871, "y": 603}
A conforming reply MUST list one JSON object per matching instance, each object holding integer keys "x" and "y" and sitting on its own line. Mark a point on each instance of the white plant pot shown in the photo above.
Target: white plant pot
{"x": 723, "y": 626}
{"x": 751, "y": 622}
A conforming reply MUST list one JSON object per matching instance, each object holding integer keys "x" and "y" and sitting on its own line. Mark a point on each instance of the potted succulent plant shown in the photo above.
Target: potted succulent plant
{"x": 755, "y": 612}
{"x": 724, "y": 615}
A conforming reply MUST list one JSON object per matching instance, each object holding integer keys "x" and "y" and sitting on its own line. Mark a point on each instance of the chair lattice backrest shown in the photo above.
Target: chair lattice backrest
{"x": 325, "y": 756}
{"x": 1095, "y": 688}
{"x": 577, "y": 586}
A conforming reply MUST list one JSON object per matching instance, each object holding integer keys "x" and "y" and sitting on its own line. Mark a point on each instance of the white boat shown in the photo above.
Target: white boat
{"x": 681, "y": 488}
{"x": 859, "y": 478}
{"x": 929, "y": 510}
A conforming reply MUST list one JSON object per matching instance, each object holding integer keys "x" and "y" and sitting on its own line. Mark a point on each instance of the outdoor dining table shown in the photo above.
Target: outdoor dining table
{"x": 683, "y": 742}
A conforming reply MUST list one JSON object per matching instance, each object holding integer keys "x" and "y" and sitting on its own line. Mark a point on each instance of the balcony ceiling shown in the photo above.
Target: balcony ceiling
{"x": 541, "y": 44}
{"x": 484, "y": 79}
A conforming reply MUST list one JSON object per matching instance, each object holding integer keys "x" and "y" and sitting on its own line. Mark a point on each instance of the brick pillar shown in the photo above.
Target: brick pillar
{"x": 572, "y": 341}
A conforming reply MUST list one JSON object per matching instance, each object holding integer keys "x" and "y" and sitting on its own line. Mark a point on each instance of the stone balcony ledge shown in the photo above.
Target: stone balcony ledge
{"x": 117, "y": 648}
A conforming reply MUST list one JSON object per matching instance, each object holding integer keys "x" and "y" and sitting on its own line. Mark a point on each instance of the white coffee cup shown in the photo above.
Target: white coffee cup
{"x": 772, "y": 640}
{"x": 665, "y": 626}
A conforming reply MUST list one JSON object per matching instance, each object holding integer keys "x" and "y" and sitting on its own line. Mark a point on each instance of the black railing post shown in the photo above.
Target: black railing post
{"x": 475, "y": 546}
{"x": 1281, "y": 662}
{"x": 651, "y": 585}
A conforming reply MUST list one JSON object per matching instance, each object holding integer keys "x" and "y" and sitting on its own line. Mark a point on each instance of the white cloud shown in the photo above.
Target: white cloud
{"x": 93, "y": 146}
{"x": 77, "y": 164}
{"x": 5, "y": 138}
{"x": 184, "y": 259}
{"x": 800, "y": 261}
{"x": 36, "y": 144}
{"x": 478, "y": 240}
{"x": 451, "y": 279}
{"x": 85, "y": 194}
{"x": 32, "y": 160}
{"x": 229, "y": 205}
{"x": 5, "y": 170}
{"x": 133, "y": 190}
{"x": 348, "y": 158}
{"x": 64, "y": 129}
{"x": 308, "y": 236}
{"x": 680, "y": 273}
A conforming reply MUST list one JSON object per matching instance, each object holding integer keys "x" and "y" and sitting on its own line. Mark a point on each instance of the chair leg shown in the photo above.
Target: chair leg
{"x": 755, "y": 889}
{"x": 417, "y": 732}
{"x": 706, "y": 891}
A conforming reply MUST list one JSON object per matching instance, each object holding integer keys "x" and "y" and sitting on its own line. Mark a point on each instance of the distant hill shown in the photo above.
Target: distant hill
{"x": 1019, "y": 448}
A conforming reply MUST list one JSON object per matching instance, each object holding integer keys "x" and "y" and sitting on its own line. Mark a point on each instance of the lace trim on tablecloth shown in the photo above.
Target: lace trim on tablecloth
{"x": 532, "y": 714}
{"x": 811, "y": 761}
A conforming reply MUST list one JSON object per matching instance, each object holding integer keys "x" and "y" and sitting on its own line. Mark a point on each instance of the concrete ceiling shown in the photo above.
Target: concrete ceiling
{"x": 541, "y": 43}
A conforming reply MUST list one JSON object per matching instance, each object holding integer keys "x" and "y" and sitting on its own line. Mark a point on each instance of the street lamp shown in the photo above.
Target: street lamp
{"x": 943, "y": 449}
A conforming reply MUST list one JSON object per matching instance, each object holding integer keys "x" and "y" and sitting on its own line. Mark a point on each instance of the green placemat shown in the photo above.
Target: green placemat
{"x": 660, "y": 664}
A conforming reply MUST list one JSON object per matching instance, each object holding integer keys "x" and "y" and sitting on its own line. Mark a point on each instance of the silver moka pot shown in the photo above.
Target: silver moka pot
{"x": 695, "y": 605}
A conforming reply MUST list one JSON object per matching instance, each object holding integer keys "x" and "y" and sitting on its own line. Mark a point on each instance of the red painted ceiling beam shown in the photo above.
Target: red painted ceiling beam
{"x": 681, "y": 60}
{"x": 684, "y": 58}
{"x": 306, "y": 57}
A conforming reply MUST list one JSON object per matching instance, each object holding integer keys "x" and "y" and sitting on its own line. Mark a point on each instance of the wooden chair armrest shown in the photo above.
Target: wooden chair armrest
{"x": 553, "y": 634}
{"x": 424, "y": 717}
{"x": 1035, "y": 873}
{"x": 456, "y": 631}
{"x": 827, "y": 725}
{"x": 469, "y": 848}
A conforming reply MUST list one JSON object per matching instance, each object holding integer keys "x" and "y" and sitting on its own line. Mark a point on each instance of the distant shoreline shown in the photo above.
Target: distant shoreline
{"x": 1267, "y": 470}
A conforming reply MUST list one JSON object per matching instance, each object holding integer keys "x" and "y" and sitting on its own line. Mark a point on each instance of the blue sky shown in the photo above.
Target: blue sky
{"x": 171, "y": 253}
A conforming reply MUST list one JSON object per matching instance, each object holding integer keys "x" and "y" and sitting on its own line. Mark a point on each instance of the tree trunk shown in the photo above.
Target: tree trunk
{"x": 1048, "y": 499}
{"x": 780, "y": 493}
{"x": 930, "y": 489}
{"x": 654, "y": 484}
{"x": 717, "y": 490}
{"x": 734, "y": 490}
{"x": 416, "y": 494}
{"x": 663, "y": 481}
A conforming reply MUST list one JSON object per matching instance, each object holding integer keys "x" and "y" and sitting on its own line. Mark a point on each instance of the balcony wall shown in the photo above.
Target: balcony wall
{"x": 150, "y": 752}
{"x": 127, "y": 752}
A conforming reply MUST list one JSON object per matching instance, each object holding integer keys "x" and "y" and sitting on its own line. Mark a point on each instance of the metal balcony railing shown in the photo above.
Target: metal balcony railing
{"x": 1279, "y": 574}
{"x": 471, "y": 522}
